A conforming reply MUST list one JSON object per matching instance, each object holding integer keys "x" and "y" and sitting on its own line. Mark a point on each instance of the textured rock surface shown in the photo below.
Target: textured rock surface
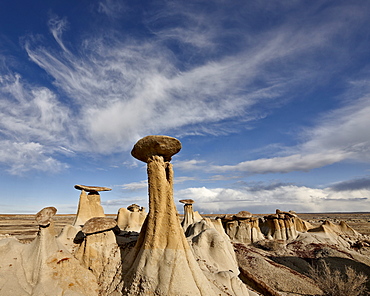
{"x": 42, "y": 268}
{"x": 270, "y": 278}
{"x": 329, "y": 233}
{"x": 150, "y": 146}
{"x": 92, "y": 188}
{"x": 163, "y": 263}
{"x": 44, "y": 216}
{"x": 98, "y": 224}
{"x": 135, "y": 208}
{"x": 216, "y": 257}
{"x": 190, "y": 216}
{"x": 283, "y": 225}
{"x": 187, "y": 201}
{"x": 100, "y": 254}
{"x": 89, "y": 206}
{"x": 244, "y": 230}
{"x": 131, "y": 219}
{"x": 243, "y": 214}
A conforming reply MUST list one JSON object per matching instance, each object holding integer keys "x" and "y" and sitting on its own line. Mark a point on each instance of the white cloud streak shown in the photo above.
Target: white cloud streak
{"x": 24, "y": 157}
{"x": 266, "y": 200}
{"x": 33, "y": 127}
{"x": 296, "y": 162}
{"x": 144, "y": 183}
{"x": 191, "y": 164}
{"x": 135, "y": 185}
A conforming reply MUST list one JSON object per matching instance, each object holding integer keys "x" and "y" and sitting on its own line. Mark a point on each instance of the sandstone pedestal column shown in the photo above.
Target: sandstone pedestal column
{"x": 89, "y": 205}
{"x": 131, "y": 219}
{"x": 163, "y": 263}
{"x": 100, "y": 253}
{"x": 188, "y": 213}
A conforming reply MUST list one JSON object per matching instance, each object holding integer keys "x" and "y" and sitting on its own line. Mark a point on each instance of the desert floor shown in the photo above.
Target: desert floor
{"x": 24, "y": 227}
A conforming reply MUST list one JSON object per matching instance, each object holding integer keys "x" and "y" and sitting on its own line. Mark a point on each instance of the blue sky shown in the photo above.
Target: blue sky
{"x": 270, "y": 99}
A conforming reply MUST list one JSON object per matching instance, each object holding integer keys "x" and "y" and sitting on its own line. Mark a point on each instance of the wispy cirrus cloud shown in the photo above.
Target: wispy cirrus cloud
{"x": 110, "y": 86}
{"x": 129, "y": 82}
{"x": 111, "y": 8}
{"x": 33, "y": 127}
{"x": 188, "y": 164}
{"x": 32, "y": 113}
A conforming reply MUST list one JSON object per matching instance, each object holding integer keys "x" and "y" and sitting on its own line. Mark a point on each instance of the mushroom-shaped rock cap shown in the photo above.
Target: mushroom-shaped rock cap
{"x": 44, "y": 216}
{"x": 134, "y": 208}
{"x": 156, "y": 145}
{"x": 98, "y": 224}
{"x": 187, "y": 201}
{"x": 92, "y": 188}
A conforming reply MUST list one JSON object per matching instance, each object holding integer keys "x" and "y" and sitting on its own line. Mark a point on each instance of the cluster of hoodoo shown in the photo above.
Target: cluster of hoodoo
{"x": 244, "y": 228}
{"x": 162, "y": 261}
{"x": 136, "y": 254}
{"x": 283, "y": 225}
{"x": 44, "y": 267}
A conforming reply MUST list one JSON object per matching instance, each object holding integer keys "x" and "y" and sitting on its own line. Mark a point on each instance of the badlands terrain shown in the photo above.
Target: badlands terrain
{"x": 24, "y": 227}
{"x": 163, "y": 253}
{"x": 280, "y": 267}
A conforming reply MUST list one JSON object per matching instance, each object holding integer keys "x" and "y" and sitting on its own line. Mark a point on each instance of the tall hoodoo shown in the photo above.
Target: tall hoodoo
{"x": 132, "y": 218}
{"x": 163, "y": 262}
{"x": 190, "y": 216}
{"x": 100, "y": 253}
{"x": 89, "y": 205}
